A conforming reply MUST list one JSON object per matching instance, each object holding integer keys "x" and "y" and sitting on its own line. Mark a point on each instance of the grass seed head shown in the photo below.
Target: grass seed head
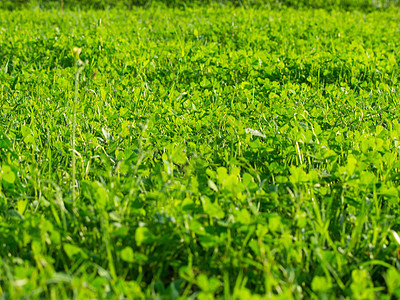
{"x": 76, "y": 51}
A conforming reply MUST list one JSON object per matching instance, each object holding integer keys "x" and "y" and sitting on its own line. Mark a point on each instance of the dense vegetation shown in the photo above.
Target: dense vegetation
{"x": 219, "y": 152}
{"x": 130, "y": 4}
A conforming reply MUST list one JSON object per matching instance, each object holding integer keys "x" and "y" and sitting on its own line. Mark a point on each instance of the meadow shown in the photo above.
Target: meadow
{"x": 209, "y": 152}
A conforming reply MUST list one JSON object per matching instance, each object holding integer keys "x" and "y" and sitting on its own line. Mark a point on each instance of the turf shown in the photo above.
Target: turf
{"x": 219, "y": 152}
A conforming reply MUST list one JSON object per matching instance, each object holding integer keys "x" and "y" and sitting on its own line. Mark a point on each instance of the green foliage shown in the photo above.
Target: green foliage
{"x": 130, "y": 4}
{"x": 220, "y": 152}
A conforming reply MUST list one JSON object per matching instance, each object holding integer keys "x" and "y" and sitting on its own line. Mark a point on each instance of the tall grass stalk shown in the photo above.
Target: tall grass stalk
{"x": 79, "y": 66}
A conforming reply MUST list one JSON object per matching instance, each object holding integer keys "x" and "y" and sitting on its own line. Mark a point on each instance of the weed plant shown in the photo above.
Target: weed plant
{"x": 218, "y": 152}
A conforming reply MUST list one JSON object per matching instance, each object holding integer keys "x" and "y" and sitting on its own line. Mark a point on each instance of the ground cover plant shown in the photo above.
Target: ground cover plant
{"x": 130, "y": 4}
{"x": 219, "y": 152}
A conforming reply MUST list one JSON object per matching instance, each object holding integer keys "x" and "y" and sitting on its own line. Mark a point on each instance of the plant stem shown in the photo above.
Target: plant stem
{"x": 74, "y": 132}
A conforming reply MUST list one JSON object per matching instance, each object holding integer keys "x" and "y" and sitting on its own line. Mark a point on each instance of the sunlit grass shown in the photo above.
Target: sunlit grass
{"x": 210, "y": 152}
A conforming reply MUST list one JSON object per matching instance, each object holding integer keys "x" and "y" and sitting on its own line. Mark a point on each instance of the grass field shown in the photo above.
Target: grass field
{"x": 211, "y": 152}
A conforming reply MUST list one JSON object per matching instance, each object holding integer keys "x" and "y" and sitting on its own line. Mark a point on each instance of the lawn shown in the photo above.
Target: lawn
{"x": 208, "y": 152}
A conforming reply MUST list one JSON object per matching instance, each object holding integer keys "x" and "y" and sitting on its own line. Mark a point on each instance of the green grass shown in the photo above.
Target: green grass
{"x": 219, "y": 153}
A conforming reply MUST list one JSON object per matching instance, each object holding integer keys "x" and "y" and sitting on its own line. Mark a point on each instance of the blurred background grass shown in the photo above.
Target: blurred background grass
{"x": 130, "y": 4}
